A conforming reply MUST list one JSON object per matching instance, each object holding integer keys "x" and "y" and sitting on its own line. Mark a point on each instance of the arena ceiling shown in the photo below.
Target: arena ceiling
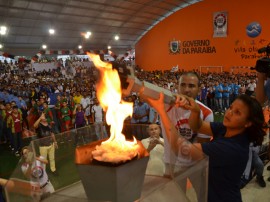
{"x": 28, "y": 22}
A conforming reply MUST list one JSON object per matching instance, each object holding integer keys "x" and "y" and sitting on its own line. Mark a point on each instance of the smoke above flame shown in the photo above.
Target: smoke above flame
{"x": 116, "y": 149}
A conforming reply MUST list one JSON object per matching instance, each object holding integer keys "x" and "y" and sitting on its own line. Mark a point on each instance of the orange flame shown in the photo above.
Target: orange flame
{"x": 109, "y": 94}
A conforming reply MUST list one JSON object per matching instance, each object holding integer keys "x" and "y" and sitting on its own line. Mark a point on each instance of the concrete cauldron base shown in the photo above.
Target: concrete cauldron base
{"x": 121, "y": 183}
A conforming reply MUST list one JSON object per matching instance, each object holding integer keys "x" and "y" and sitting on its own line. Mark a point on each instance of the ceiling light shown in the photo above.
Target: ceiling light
{"x": 87, "y": 35}
{"x": 109, "y": 47}
{"x": 1, "y": 46}
{"x": 51, "y": 31}
{"x": 3, "y": 30}
{"x": 116, "y": 37}
{"x": 44, "y": 46}
{"x": 80, "y": 47}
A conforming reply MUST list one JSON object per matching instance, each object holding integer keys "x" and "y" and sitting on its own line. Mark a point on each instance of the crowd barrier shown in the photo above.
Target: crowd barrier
{"x": 67, "y": 181}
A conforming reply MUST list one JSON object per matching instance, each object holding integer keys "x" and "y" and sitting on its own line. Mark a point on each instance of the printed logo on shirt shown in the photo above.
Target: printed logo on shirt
{"x": 37, "y": 172}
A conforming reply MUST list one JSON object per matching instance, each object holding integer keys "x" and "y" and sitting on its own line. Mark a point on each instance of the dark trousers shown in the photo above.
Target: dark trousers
{"x": 17, "y": 140}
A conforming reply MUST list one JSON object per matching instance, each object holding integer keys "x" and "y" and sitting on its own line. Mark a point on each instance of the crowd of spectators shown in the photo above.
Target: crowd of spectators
{"x": 58, "y": 92}
{"x": 218, "y": 90}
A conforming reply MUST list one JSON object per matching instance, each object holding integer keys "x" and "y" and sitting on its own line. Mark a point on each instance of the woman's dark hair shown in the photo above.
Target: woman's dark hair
{"x": 255, "y": 131}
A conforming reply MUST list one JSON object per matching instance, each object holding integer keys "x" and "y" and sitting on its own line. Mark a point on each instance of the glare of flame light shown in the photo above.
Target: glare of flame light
{"x": 109, "y": 94}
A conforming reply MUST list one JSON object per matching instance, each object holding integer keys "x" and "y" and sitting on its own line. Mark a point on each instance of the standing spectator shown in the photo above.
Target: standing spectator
{"x": 226, "y": 96}
{"x": 71, "y": 103}
{"x": 33, "y": 94}
{"x": 48, "y": 114}
{"x": 203, "y": 94}
{"x": 85, "y": 101}
{"x": 14, "y": 121}
{"x": 210, "y": 96}
{"x": 218, "y": 97}
{"x": 236, "y": 88}
{"x": 80, "y": 118}
{"x": 230, "y": 85}
{"x": 251, "y": 87}
{"x": 153, "y": 116}
{"x": 65, "y": 116}
{"x": 77, "y": 98}
{"x": 141, "y": 113}
{"x": 22, "y": 105}
{"x": 3, "y": 138}
{"x": 98, "y": 119}
{"x": 242, "y": 89}
{"x": 47, "y": 141}
{"x": 88, "y": 107}
{"x": 7, "y": 112}
{"x": 57, "y": 107}
{"x": 80, "y": 121}
{"x": 33, "y": 114}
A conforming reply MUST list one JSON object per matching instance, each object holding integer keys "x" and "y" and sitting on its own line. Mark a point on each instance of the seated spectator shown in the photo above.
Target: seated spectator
{"x": 155, "y": 146}
{"x": 256, "y": 163}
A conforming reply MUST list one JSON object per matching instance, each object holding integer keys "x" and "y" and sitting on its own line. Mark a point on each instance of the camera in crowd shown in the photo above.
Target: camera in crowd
{"x": 263, "y": 64}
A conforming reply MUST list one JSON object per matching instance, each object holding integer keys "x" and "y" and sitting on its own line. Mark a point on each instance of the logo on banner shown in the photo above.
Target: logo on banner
{"x": 254, "y": 29}
{"x": 220, "y": 21}
{"x": 174, "y": 47}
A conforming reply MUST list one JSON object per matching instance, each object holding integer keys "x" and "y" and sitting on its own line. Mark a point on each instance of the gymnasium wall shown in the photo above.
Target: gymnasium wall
{"x": 193, "y": 28}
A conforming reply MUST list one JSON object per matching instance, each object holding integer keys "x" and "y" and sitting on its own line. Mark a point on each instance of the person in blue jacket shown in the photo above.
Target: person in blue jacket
{"x": 1, "y": 194}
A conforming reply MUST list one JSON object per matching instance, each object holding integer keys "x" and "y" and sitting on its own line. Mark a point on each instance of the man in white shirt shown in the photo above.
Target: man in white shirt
{"x": 251, "y": 88}
{"x": 155, "y": 146}
{"x": 189, "y": 83}
{"x": 85, "y": 101}
{"x": 98, "y": 119}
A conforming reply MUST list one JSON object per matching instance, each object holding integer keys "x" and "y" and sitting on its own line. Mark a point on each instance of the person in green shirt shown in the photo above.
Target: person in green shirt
{"x": 65, "y": 116}
{"x": 48, "y": 114}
